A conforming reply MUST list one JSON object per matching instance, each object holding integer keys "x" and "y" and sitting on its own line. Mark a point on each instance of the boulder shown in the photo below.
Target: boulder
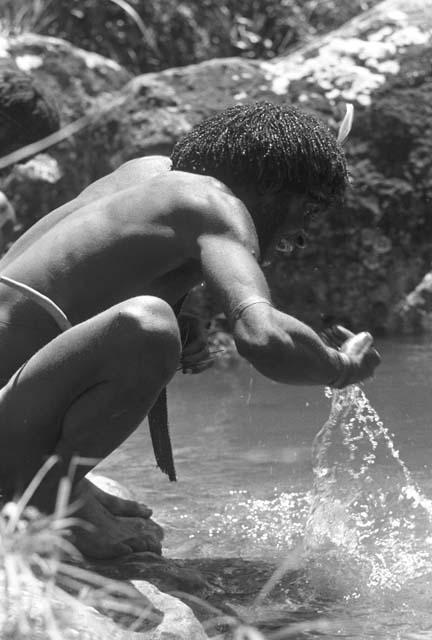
{"x": 219, "y": 592}
{"x": 38, "y": 609}
{"x": 121, "y": 610}
{"x": 27, "y": 114}
{"x": 361, "y": 259}
{"x": 415, "y": 310}
{"x": 71, "y": 76}
{"x": 60, "y": 83}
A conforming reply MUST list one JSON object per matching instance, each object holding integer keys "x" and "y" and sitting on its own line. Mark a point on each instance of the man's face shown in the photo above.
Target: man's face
{"x": 291, "y": 215}
{"x": 287, "y": 212}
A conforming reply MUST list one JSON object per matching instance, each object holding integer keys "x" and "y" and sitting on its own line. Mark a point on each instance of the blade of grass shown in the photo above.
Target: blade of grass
{"x": 127, "y": 8}
{"x": 25, "y": 498}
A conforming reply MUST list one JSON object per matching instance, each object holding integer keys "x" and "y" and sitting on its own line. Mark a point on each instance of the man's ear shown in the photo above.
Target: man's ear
{"x": 346, "y": 124}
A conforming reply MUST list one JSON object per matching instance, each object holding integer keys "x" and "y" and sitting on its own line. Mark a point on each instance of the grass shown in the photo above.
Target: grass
{"x": 24, "y": 16}
{"x": 150, "y": 35}
{"x": 37, "y": 16}
{"x": 42, "y": 587}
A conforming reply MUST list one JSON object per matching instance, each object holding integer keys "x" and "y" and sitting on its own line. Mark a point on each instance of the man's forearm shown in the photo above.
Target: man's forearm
{"x": 286, "y": 350}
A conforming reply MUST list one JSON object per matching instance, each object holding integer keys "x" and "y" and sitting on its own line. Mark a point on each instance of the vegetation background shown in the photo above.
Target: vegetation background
{"x": 151, "y": 35}
{"x": 368, "y": 259}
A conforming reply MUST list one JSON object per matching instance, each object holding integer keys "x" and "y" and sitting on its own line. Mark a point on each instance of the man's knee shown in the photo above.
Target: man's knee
{"x": 148, "y": 326}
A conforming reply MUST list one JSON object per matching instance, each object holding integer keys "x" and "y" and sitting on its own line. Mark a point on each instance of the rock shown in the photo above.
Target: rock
{"x": 164, "y": 573}
{"x": 89, "y": 606}
{"x": 415, "y": 310}
{"x": 41, "y": 595}
{"x": 31, "y": 184}
{"x": 380, "y": 62}
{"x": 376, "y": 252}
{"x": 211, "y": 587}
{"x": 27, "y": 113}
{"x": 141, "y": 596}
{"x": 71, "y": 76}
{"x": 72, "y": 80}
{"x": 154, "y": 578}
{"x": 362, "y": 260}
{"x": 37, "y": 607}
{"x": 179, "y": 622}
{"x": 234, "y": 588}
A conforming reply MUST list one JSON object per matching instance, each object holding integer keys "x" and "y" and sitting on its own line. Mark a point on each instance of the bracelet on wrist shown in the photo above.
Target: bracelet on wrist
{"x": 345, "y": 369}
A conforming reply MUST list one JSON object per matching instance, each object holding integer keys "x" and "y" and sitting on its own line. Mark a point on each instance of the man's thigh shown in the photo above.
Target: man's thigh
{"x": 121, "y": 346}
{"x": 34, "y": 401}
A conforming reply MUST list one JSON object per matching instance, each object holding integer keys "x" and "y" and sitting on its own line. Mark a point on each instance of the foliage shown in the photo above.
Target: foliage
{"x": 150, "y": 35}
{"x": 46, "y": 594}
{"x": 21, "y": 16}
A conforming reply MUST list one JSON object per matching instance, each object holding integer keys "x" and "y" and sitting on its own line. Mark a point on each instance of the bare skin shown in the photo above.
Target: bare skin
{"x": 115, "y": 260}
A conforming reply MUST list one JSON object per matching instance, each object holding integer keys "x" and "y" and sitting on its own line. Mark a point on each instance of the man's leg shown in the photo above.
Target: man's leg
{"x": 82, "y": 395}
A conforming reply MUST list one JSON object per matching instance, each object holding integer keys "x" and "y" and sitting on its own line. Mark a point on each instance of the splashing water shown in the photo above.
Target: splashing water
{"x": 369, "y": 529}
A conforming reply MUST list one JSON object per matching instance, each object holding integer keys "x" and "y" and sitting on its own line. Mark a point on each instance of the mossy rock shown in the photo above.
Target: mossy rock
{"x": 362, "y": 259}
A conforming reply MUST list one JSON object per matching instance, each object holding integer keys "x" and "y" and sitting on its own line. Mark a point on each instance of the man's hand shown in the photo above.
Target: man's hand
{"x": 195, "y": 355}
{"x": 359, "y": 358}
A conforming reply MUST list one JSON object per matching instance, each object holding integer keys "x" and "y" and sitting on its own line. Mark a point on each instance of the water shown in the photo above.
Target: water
{"x": 260, "y": 477}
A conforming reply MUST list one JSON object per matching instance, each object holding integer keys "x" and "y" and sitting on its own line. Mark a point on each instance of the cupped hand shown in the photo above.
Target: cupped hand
{"x": 361, "y": 358}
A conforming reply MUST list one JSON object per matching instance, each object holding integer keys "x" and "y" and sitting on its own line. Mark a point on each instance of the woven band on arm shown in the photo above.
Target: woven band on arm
{"x": 245, "y": 304}
{"x": 345, "y": 370}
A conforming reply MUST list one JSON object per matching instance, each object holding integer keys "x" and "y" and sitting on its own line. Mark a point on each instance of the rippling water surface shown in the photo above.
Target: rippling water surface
{"x": 337, "y": 488}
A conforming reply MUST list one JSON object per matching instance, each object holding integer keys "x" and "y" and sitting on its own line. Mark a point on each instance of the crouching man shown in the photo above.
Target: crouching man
{"x": 114, "y": 262}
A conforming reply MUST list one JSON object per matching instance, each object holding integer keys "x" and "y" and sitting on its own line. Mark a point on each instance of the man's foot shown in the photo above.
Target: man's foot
{"x": 112, "y": 526}
{"x": 118, "y": 506}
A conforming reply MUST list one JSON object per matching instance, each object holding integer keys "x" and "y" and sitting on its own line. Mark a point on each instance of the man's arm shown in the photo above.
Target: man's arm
{"x": 278, "y": 345}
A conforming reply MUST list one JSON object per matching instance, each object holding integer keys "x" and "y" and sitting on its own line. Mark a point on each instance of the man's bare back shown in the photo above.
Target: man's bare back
{"x": 130, "y": 233}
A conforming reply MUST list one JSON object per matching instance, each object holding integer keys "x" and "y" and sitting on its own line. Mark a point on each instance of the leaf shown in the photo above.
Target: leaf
{"x": 127, "y": 8}
{"x": 346, "y": 124}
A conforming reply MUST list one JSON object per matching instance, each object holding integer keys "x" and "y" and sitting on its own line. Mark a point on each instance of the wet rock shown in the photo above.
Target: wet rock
{"x": 37, "y": 608}
{"x": 142, "y": 595}
{"x": 80, "y": 602}
{"x": 221, "y": 592}
{"x": 179, "y": 622}
{"x": 162, "y": 572}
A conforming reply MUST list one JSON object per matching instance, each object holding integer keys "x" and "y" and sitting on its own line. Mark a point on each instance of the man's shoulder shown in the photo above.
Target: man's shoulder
{"x": 208, "y": 198}
{"x": 212, "y": 208}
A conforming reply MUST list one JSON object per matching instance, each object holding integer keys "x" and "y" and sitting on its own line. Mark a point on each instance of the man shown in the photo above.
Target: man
{"x": 116, "y": 259}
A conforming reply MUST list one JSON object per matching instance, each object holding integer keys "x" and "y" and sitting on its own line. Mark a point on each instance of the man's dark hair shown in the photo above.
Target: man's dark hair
{"x": 272, "y": 145}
